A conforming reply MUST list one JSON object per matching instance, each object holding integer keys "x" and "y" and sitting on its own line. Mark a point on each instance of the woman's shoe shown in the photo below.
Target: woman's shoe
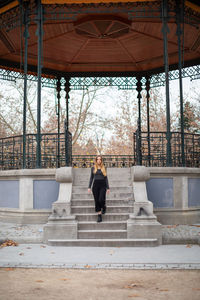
{"x": 104, "y": 210}
{"x": 99, "y": 219}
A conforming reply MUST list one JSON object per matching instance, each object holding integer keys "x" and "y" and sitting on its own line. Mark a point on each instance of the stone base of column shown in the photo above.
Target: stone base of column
{"x": 60, "y": 225}
{"x": 143, "y": 224}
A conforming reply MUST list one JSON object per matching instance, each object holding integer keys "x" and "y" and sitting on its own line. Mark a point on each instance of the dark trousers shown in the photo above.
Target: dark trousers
{"x": 99, "y": 192}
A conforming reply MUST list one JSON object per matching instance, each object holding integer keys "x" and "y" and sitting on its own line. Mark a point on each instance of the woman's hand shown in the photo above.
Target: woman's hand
{"x": 108, "y": 191}
{"x": 89, "y": 191}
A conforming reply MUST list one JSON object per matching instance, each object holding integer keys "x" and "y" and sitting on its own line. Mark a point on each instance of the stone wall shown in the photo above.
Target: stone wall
{"x": 26, "y": 196}
{"x": 175, "y": 193}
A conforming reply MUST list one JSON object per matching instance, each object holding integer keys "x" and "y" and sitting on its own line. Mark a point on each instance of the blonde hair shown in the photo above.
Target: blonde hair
{"x": 103, "y": 169}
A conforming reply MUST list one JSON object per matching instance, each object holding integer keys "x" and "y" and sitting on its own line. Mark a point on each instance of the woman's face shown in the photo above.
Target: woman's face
{"x": 99, "y": 160}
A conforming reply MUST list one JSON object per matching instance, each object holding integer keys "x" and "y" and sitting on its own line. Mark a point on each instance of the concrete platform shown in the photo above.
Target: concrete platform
{"x": 43, "y": 256}
{"x": 32, "y": 253}
{"x": 33, "y": 233}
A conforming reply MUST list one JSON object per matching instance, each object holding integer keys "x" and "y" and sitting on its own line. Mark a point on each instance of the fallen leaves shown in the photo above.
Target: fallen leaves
{"x": 133, "y": 295}
{"x": 39, "y": 280}
{"x": 9, "y": 243}
{"x": 21, "y": 254}
{"x": 18, "y": 228}
{"x": 188, "y": 246}
{"x": 87, "y": 266}
{"x": 132, "y": 285}
{"x": 172, "y": 226}
{"x": 42, "y": 246}
{"x": 64, "y": 279}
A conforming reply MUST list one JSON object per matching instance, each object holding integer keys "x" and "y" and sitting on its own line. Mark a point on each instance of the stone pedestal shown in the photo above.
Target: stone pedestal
{"x": 61, "y": 224}
{"x": 60, "y": 229}
{"x": 142, "y": 224}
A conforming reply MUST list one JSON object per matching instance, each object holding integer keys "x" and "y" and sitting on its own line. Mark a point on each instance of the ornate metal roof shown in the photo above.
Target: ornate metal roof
{"x": 98, "y": 37}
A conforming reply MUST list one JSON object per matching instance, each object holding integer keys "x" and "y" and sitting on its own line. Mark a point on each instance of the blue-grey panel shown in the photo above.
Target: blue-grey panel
{"x": 9, "y": 193}
{"x": 193, "y": 192}
{"x": 160, "y": 192}
{"x": 45, "y": 192}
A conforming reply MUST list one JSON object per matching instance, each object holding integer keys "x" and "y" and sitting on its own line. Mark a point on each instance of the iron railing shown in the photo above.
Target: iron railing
{"x": 11, "y": 151}
{"x": 154, "y": 149}
{"x": 117, "y": 161}
{"x": 153, "y": 152}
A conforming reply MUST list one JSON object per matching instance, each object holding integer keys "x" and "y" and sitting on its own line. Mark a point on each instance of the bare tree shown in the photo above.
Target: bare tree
{"x": 11, "y": 109}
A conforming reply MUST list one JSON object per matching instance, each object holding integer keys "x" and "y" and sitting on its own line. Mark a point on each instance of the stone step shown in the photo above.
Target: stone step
{"x": 111, "y": 195}
{"x": 104, "y": 243}
{"x": 107, "y": 217}
{"x": 114, "y": 189}
{"x": 113, "y": 225}
{"x": 84, "y": 183}
{"x": 112, "y": 170}
{"x": 102, "y": 234}
{"x": 109, "y": 202}
{"x": 111, "y": 178}
{"x": 110, "y": 209}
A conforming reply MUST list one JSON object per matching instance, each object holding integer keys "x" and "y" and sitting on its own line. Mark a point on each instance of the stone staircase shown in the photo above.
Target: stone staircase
{"x": 112, "y": 232}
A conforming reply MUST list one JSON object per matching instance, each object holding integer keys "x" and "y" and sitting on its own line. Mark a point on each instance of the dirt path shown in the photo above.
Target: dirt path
{"x": 39, "y": 284}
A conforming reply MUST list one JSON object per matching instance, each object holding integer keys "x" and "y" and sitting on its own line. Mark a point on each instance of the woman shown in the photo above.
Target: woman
{"x": 100, "y": 185}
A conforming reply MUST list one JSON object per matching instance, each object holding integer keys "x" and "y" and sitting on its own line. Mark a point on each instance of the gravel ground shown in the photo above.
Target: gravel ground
{"x": 47, "y": 284}
{"x": 33, "y": 233}
{"x": 182, "y": 234}
{"x": 30, "y": 233}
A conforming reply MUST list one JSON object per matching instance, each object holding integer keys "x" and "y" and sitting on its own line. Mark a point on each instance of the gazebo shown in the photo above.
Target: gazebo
{"x": 130, "y": 44}
{"x": 77, "y": 43}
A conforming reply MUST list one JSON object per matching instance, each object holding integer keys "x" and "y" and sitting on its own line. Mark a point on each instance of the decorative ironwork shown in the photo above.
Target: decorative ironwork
{"x": 12, "y": 75}
{"x": 66, "y": 12}
{"x": 13, "y": 18}
{"x": 70, "y": 12}
{"x": 79, "y": 83}
{"x": 193, "y": 73}
{"x": 110, "y": 161}
{"x": 158, "y": 145}
{"x": 11, "y": 151}
{"x": 124, "y": 83}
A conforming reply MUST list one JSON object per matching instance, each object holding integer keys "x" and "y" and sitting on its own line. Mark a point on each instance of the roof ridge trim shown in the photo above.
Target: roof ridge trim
{"x": 9, "y": 6}
{"x": 90, "y": 1}
{"x": 192, "y": 6}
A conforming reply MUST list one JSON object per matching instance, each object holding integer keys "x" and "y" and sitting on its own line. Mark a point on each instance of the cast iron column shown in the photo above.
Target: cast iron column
{"x": 26, "y": 36}
{"x": 165, "y": 31}
{"x": 58, "y": 88}
{"x": 148, "y": 119}
{"x": 179, "y": 32}
{"x": 39, "y": 33}
{"x": 67, "y": 90}
{"x": 138, "y": 136}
